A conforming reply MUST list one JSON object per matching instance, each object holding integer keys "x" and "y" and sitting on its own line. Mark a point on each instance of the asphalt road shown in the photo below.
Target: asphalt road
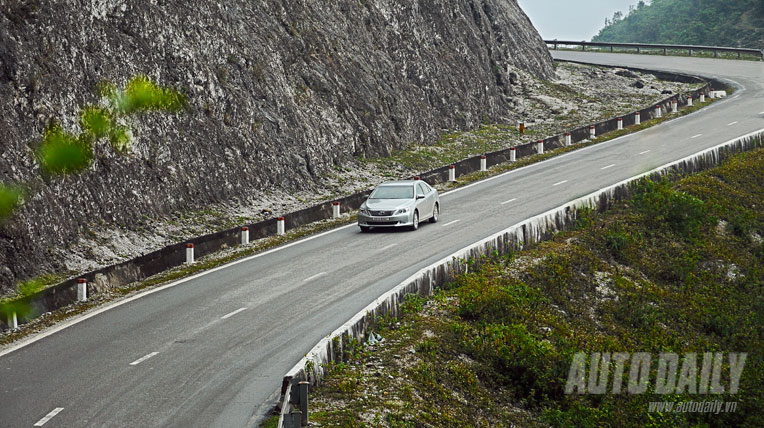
{"x": 212, "y": 350}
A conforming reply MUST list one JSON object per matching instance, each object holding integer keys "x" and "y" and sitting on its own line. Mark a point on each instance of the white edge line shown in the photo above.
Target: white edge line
{"x": 762, "y": 112}
{"x": 314, "y": 276}
{"x": 48, "y": 417}
{"x": 229, "y": 315}
{"x": 451, "y": 222}
{"x": 609, "y": 166}
{"x": 511, "y": 200}
{"x": 371, "y": 306}
{"x": 143, "y": 358}
{"x": 88, "y": 315}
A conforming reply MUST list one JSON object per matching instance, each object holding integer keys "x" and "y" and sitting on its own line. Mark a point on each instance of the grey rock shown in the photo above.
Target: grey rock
{"x": 279, "y": 92}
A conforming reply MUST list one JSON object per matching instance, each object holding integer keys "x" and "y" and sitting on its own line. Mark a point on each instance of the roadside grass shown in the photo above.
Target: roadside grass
{"x": 677, "y": 268}
{"x": 486, "y": 138}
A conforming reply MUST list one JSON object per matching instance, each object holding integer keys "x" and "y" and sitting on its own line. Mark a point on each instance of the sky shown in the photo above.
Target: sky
{"x": 572, "y": 19}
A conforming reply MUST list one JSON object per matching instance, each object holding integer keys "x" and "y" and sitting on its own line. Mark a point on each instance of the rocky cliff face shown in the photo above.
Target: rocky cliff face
{"x": 278, "y": 92}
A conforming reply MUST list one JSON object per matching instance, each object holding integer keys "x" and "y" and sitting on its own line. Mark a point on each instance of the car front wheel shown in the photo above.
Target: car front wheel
{"x": 415, "y": 224}
{"x": 435, "y": 213}
{"x": 365, "y": 229}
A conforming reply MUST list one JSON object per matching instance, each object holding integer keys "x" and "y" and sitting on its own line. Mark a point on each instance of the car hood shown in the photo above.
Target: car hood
{"x": 387, "y": 204}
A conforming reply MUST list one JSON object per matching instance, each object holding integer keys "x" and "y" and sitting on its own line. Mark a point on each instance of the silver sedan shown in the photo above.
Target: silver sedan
{"x": 399, "y": 204}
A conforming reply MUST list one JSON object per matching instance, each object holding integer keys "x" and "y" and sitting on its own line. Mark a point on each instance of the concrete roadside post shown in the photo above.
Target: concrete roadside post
{"x": 452, "y": 173}
{"x": 13, "y": 322}
{"x": 82, "y": 290}
{"x": 280, "y": 230}
{"x": 335, "y": 210}
{"x": 689, "y": 101}
{"x": 483, "y": 163}
{"x": 189, "y": 254}
{"x": 304, "y": 402}
{"x": 620, "y": 123}
{"x": 592, "y": 131}
{"x": 540, "y": 147}
{"x": 637, "y": 118}
{"x": 512, "y": 154}
{"x": 674, "y": 106}
{"x": 567, "y": 139}
{"x": 702, "y": 98}
{"x": 244, "y": 235}
{"x": 658, "y": 111}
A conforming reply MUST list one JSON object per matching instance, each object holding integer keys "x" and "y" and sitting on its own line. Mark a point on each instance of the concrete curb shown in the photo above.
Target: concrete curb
{"x": 531, "y": 231}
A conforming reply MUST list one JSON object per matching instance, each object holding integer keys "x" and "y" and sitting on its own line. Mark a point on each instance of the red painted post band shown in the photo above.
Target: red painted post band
{"x": 335, "y": 203}
{"x": 81, "y": 281}
{"x": 189, "y": 245}
{"x": 416, "y": 178}
{"x": 451, "y": 167}
{"x": 280, "y": 219}
{"x": 244, "y": 229}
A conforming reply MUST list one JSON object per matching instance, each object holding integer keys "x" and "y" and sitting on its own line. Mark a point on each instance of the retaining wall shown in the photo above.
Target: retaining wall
{"x": 516, "y": 237}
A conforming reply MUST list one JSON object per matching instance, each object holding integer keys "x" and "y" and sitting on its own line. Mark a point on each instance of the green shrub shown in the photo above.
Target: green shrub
{"x": 63, "y": 153}
{"x": 10, "y": 197}
{"x": 658, "y": 202}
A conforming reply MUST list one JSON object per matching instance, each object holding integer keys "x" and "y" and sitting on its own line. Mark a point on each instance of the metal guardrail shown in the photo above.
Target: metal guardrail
{"x": 639, "y": 46}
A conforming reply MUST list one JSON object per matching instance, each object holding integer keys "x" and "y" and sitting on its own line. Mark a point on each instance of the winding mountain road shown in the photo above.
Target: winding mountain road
{"x": 211, "y": 350}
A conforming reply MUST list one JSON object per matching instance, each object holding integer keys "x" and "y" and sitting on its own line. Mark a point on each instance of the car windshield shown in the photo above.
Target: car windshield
{"x": 393, "y": 192}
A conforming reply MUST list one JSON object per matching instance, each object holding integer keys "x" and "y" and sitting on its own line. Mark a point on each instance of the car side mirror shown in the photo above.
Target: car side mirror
{"x": 420, "y": 197}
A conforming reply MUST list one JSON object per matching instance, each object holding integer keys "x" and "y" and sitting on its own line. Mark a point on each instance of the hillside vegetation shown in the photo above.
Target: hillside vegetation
{"x": 677, "y": 268}
{"x": 735, "y": 23}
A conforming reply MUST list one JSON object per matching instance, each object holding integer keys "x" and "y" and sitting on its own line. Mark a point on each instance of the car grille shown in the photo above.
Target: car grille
{"x": 381, "y": 213}
{"x": 384, "y": 223}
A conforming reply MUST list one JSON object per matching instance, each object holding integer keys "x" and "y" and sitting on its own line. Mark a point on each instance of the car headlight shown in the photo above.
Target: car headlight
{"x": 364, "y": 211}
{"x": 401, "y": 211}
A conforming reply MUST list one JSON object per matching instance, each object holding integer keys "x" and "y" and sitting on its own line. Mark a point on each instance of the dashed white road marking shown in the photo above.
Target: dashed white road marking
{"x": 506, "y": 202}
{"x": 233, "y": 313}
{"x": 732, "y": 123}
{"x": 762, "y": 112}
{"x": 561, "y": 182}
{"x": 49, "y": 416}
{"x": 451, "y": 222}
{"x": 646, "y": 151}
{"x": 314, "y": 277}
{"x": 609, "y": 166}
{"x": 696, "y": 136}
{"x": 142, "y": 359}
{"x": 387, "y": 247}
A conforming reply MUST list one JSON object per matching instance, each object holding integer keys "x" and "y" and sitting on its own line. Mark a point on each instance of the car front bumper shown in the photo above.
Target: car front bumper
{"x": 399, "y": 220}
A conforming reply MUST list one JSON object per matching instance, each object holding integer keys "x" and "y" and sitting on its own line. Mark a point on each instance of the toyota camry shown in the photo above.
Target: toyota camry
{"x": 399, "y": 204}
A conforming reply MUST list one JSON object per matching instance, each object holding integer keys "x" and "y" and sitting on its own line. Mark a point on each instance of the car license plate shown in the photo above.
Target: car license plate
{"x": 381, "y": 219}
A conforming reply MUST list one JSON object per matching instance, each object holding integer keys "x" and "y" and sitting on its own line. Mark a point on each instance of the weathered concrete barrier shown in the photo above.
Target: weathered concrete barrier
{"x": 526, "y": 233}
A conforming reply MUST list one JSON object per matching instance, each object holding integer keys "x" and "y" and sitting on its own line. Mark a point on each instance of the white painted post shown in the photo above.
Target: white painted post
{"x": 483, "y": 163}
{"x": 280, "y": 226}
{"x": 451, "y": 173}
{"x": 711, "y": 93}
{"x": 512, "y": 154}
{"x": 689, "y": 101}
{"x": 189, "y": 254}
{"x": 567, "y": 139}
{"x": 702, "y": 98}
{"x": 244, "y": 235}
{"x": 592, "y": 131}
{"x": 674, "y": 106}
{"x": 335, "y": 209}
{"x": 658, "y": 111}
{"x": 82, "y": 290}
{"x": 540, "y": 147}
{"x": 620, "y": 123}
{"x": 637, "y": 118}
{"x": 13, "y": 322}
